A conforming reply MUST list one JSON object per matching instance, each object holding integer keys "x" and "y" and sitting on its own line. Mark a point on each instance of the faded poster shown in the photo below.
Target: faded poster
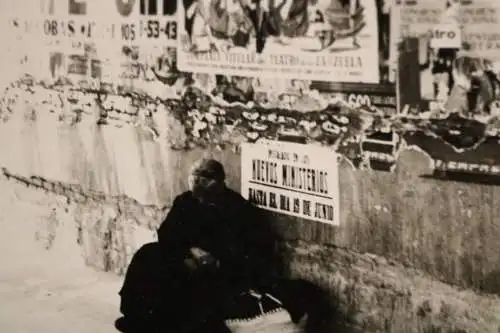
{"x": 329, "y": 40}
{"x": 92, "y": 55}
{"x": 141, "y": 22}
{"x": 411, "y": 24}
{"x": 92, "y": 43}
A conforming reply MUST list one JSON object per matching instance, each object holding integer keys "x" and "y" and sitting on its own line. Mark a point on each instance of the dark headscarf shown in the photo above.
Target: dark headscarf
{"x": 209, "y": 168}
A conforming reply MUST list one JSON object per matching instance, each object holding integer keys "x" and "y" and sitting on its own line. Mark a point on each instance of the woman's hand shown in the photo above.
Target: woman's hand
{"x": 200, "y": 258}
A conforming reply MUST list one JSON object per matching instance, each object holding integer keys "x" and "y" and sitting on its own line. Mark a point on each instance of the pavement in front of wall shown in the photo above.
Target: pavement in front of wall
{"x": 49, "y": 289}
{"x": 86, "y": 301}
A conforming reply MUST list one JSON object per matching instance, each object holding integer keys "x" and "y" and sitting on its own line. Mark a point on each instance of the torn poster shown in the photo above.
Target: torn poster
{"x": 376, "y": 98}
{"x": 292, "y": 179}
{"x": 461, "y": 149}
{"x": 457, "y": 56}
{"x": 455, "y": 97}
{"x": 94, "y": 43}
{"x": 141, "y": 22}
{"x": 330, "y": 40}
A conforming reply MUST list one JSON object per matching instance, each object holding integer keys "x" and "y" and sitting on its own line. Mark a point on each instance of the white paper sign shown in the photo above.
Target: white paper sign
{"x": 446, "y": 35}
{"x": 292, "y": 179}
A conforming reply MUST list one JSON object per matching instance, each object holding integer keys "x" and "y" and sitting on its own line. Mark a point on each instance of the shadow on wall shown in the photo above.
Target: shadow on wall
{"x": 299, "y": 295}
{"x": 324, "y": 314}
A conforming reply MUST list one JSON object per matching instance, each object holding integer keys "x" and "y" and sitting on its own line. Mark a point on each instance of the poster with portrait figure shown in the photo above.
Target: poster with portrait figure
{"x": 330, "y": 40}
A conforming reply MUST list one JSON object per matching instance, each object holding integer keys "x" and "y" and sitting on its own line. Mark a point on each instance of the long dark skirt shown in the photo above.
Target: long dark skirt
{"x": 160, "y": 297}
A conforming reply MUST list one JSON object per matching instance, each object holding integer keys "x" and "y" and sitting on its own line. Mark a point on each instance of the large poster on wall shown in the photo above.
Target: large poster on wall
{"x": 330, "y": 40}
{"x": 292, "y": 179}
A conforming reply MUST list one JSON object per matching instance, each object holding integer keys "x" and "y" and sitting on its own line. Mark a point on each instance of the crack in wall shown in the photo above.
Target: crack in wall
{"x": 104, "y": 224}
{"x": 74, "y": 193}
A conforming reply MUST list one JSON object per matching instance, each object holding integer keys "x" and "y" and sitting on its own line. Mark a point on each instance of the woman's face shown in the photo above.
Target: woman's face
{"x": 202, "y": 187}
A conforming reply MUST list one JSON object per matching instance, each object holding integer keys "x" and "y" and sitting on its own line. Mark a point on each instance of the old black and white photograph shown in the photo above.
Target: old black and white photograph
{"x": 250, "y": 166}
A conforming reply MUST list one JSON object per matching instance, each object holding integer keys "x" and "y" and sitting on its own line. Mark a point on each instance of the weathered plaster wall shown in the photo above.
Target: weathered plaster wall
{"x": 64, "y": 224}
{"x": 447, "y": 229}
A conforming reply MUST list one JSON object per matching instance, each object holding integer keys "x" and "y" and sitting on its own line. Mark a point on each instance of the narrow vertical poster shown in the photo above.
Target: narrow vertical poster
{"x": 412, "y": 22}
{"x": 329, "y": 40}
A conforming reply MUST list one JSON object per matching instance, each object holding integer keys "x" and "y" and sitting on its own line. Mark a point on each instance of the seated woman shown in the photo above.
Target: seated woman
{"x": 212, "y": 245}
